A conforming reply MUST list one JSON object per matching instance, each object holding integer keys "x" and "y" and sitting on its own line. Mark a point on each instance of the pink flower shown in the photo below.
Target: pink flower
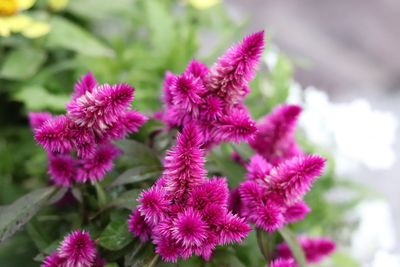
{"x": 184, "y": 213}
{"x": 53, "y": 260}
{"x": 138, "y": 226}
{"x": 293, "y": 178}
{"x": 234, "y": 126}
{"x": 275, "y": 139}
{"x": 154, "y": 204}
{"x": 258, "y": 168}
{"x": 228, "y": 78}
{"x": 96, "y": 115}
{"x": 296, "y": 212}
{"x": 37, "y": 119}
{"x": 184, "y": 164}
{"x": 53, "y": 135}
{"x": 283, "y": 263}
{"x": 95, "y": 167}
{"x": 62, "y": 169}
{"x": 78, "y": 249}
{"x": 86, "y": 84}
{"x": 271, "y": 196}
{"x": 315, "y": 249}
{"x": 213, "y": 100}
{"x": 189, "y": 229}
{"x": 100, "y": 107}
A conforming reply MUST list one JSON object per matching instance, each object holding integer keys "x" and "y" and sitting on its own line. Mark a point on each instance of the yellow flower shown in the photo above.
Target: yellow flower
{"x": 12, "y": 21}
{"x": 203, "y": 4}
{"x": 58, "y": 5}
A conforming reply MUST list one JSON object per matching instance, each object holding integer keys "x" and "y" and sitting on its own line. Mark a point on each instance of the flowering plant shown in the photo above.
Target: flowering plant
{"x": 207, "y": 169}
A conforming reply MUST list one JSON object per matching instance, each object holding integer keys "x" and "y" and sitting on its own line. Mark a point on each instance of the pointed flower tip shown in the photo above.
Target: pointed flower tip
{"x": 78, "y": 249}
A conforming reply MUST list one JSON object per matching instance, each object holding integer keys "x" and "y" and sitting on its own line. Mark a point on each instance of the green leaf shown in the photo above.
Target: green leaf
{"x": 291, "y": 239}
{"x": 127, "y": 199}
{"x": 137, "y": 174}
{"x": 138, "y": 154}
{"x": 37, "y": 98}
{"x": 116, "y": 235}
{"x": 161, "y": 24}
{"x": 65, "y": 34}
{"x": 22, "y": 63}
{"x": 14, "y": 216}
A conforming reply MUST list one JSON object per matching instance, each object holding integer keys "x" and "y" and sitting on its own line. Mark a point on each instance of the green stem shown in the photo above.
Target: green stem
{"x": 154, "y": 261}
{"x": 264, "y": 245}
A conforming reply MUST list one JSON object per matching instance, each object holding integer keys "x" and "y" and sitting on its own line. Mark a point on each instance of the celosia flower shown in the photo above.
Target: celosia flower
{"x": 184, "y": 213}
{"x": 95, "y": 167}
{"x": 97, "y": 115}
{"x": 283, "y": 263}
{"x": 37, "y": 119}
{"x": 271, "y": 196}
{"x": 315, "y": 249}
{"x": 53, "y": 260}
{"x": 213, "y": 99}
{"x": 138, "y": 226}
{"x": 76, "y": 250}
{"x": 12, "y": 20}
{"x": 275, "y": 139}
{"x": 62, "y": 169}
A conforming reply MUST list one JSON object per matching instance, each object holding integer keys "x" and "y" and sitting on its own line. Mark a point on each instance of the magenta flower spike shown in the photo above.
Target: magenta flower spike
{"x": 272, "y": 196}
{"x": 213, "y": 99}
{"x": 76, "y": 250}
{"x": 293, "y": 178}
{"x": 275, "y": 139}
{"x": 229, "y": 77}
{"x": 62, "y": 169}
{"x": 315, "y": 249}
{"x": 79, "y": 143}
{"x": 53, "y": 260}
{"x": 37, "y": 119}
{"x": 185, "y": 213}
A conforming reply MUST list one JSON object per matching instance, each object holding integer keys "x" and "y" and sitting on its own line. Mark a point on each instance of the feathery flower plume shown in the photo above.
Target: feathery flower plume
{"x": 229, "y": 77}
{"x": 85, "y": 84}
{"x": 79, "y": 143}
{"x": 62, "y": 169}
{"x": 271, "y": 196}
{"x": 100, "y": 107}
{"x": 275, "y": 139}
{"x": 293, "y": 178}
{"x": 95, "y": 167}
{"x": 213, "y": 99}
{"x": 37, "y": 119}
{"x": 76, "y": 250}
{"x": 138, "y": 226}
{"x": 53, "y": 260}
{"x": 296, "y": 212}
{"x": 184, "y": 213}
{"x": 283, "y": 263}
{"x": 315, "y": 249}
{"x": 53, "y": 135}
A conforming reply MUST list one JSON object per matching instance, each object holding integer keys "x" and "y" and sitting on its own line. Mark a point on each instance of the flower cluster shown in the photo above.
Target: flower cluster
{"x": 78, "y": 250}
{"x": 315, "y": 249}
{"x": 275, "y": 139}
{"x": 278, "y": 176}
{"x": 213, "y": 98}
{"x": 79, "y": 143}
{"x": 272, "y": 195}
{"x": 185, "y": 213}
